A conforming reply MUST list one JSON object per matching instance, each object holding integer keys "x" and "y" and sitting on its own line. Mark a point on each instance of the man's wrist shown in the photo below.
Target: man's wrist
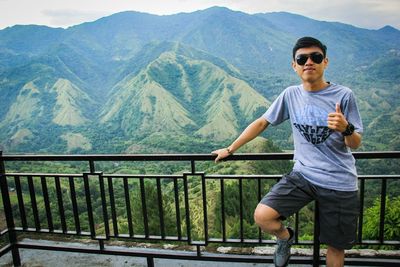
{"x": 349, "y": 130}
{"x": 229, "y": 150}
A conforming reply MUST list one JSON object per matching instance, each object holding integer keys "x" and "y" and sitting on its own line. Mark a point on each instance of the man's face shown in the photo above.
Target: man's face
{"x": 310, "y": 71}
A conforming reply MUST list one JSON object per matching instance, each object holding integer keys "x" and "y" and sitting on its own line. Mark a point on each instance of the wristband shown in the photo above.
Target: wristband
{"x": 349, "y": 130}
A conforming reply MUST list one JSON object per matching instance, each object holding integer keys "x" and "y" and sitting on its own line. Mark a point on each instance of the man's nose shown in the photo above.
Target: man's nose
{"x": 309, "y": 61}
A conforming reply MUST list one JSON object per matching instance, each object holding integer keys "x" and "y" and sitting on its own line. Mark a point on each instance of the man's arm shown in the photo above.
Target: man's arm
{"x": 251, "y": 132}
{"x": 353, "y": 141}
{"x": 337, "y": 122}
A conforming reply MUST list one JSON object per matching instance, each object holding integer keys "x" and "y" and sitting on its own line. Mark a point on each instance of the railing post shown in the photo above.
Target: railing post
{"x": 150, "y": 262}
{"x": 8, "y": 213}
{"x": 316, "y": 246}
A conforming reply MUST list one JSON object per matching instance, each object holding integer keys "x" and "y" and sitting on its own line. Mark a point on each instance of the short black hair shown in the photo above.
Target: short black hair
{"x": 308, "y": 42}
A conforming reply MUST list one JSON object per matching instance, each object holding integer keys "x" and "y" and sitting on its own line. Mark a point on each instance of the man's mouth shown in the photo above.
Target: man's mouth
{"x": 308, "y": 69}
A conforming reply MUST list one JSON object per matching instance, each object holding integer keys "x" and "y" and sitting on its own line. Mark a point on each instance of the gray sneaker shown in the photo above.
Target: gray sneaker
{"x": 282, "y": 251}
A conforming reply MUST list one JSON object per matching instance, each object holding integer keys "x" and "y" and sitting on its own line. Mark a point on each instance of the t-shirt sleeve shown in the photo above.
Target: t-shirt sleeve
{"x": 352, "y": 114}
{"x": 278, "y": 111}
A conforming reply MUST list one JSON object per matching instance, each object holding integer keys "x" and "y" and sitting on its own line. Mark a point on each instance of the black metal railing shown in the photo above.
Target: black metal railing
{"x": 157, "y": 207}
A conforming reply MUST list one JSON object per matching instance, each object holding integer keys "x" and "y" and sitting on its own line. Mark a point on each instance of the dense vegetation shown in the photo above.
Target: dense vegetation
{"x": 144, "y": 184}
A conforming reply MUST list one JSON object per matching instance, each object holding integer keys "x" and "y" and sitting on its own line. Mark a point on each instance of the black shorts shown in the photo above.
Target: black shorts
{"x": 338, "y": 210}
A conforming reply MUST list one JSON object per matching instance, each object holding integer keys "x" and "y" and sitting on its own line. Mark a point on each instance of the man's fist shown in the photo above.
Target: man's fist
{"x": 336, "y": 120}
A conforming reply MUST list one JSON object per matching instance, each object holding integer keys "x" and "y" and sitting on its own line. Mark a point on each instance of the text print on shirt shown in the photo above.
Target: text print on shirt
{"x": 312, "y": 125}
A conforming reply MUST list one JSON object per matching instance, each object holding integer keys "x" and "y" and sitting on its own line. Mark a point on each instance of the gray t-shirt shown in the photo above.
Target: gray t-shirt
{"x": 321, "y": 155}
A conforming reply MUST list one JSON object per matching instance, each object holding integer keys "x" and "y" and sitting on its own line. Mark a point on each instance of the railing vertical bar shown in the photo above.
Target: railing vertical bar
{"x": 177, "y": 210}
{"x": 60, "y": 204}
{"x": 150, "y": 261}
{"x": 74, "y": 204}
{"x": 128, "y": 206}
{"x": 89, "y": 205}
{"x": 34, "y": 203}
{"x": 382, "y": 211}
{"x": 192, "y": 166}
{"x": 187, "y": 208}
{"x": 8, "y": 213}
{"x": 205, "y": 213}
{"x": 259, "y": 199}
{"x": 21, "y": 204}
{"x": 144, "y": 207}
{"x": 316, "y": 243}
{"x": 104, "y": 206}
{"x": 47, "y": 203}
{"x": 198, "y": 251}
{"x": 361, "y": 212}
{"x": 160, "y": 208}
{"x": 241, "y": 209}
{"x": 91, "y": 166}
{"x": 296, "y": 227}
{"x": 112, "y": 205}
{"x": 222, "y": 187}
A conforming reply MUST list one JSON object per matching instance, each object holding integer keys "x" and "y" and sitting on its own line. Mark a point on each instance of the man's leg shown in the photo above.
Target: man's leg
{"x": 286, "y": 197}
{"x": 269, "y": 221}
{"x": 334, "y": 257}
{"x": 338, "y": 223}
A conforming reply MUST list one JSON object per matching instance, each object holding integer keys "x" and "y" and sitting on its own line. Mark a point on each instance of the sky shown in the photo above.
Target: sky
{"x": 370, "y": 14}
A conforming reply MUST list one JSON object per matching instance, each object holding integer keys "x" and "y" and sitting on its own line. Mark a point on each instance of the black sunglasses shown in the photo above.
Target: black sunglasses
{"x": 316, "y": 57}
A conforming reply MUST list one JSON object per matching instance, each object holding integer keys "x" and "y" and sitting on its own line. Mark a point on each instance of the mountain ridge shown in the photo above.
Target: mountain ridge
{"x": 202, "y": 75}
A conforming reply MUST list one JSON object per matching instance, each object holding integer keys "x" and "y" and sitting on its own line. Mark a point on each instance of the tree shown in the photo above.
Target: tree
{"x": 392, "y": 220}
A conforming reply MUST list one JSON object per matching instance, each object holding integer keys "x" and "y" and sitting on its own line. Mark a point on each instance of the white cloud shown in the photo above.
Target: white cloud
{"x": 68, "y": 17}
{"x": 362, "y": 13}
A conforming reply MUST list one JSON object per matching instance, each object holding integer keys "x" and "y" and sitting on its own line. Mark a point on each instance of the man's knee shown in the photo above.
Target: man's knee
{"x": 334, "y": 257}
{"x": 335, "y": 251}
{"x": 265, "y": 215}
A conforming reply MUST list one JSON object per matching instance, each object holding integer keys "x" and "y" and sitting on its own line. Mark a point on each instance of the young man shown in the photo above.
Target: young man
{"x": 326, "y": 124}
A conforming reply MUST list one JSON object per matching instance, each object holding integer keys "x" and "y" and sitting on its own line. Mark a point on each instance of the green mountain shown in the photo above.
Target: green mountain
{"x": 178, "y": 93}
{"x": 140, "y": 82}
{"x": 70, "y": 105}
{"x": 177, "y": 90}
{"x": 48, "y": 106}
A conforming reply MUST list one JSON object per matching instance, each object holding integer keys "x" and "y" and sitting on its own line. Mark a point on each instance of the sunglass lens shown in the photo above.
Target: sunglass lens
{"x": 301, "y": 59}
{"x": 316, "y": 58}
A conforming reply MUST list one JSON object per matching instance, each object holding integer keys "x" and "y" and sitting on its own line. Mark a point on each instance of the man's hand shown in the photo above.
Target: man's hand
{"x": 251, "y": 132}
{"x": 221, "y": 154}
{"x": 336, "y": 120}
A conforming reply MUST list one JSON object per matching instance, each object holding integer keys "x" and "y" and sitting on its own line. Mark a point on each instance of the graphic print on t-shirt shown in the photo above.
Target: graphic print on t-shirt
{"x": 312, "y": 124}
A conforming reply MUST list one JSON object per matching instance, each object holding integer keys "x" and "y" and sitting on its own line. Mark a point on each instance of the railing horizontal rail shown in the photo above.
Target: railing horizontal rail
{"x": 181, "y": 157}
{"x": 7, "y": 248}
{"x": 188, "y": 255}
{"x": 4, "y": 232}
{"x": 165, "y": 254}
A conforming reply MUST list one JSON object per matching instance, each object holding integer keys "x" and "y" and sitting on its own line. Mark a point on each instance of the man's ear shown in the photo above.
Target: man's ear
{"x": 294, "y": 66}
{"x": 326, "y": 61}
